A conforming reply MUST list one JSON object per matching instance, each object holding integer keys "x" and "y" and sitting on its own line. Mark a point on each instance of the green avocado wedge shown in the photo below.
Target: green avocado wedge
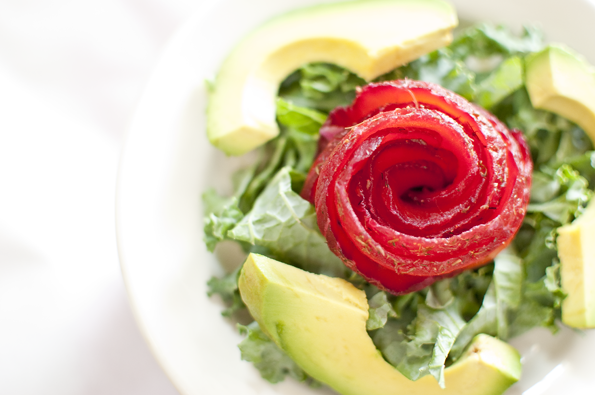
{"x": 320, "y": 322}
{"x": 576, "y": 249}
{"x": 368, "y": 37}
{"x": 563, "y": 82}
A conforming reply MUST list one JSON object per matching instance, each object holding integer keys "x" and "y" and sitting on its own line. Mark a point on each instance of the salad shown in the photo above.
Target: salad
{"x": 422, "y": 332}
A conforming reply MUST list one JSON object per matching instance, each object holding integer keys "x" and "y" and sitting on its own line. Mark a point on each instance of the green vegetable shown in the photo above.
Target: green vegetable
{"x": 380, "y": 310}
{"x": 301, "y": 126}
{"x": 272, "y": 363}
{"x": 508, "y": 285}
{"x": 512, "y": 305}
{"x": 573, "y": 195}
{"x": 423, "y": 347}
{"x": 320, "y": 86}
{"x": 507, "y": 78}
{"x": 487, "y": 40}
{"x": 221, "y": 215}
{"x": 285, "y": 224}
{"x": 483, "y": 322}
{"x": 440, "y": 67}
{"x": 227, "y": 288}
{"x": 301, "y": 119}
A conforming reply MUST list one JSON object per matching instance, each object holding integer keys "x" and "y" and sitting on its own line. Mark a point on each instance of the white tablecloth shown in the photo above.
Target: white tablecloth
{"x": 71, "y": 72}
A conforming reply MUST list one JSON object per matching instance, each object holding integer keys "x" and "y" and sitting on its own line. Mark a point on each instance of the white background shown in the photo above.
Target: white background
{"x": 71, "y": 72}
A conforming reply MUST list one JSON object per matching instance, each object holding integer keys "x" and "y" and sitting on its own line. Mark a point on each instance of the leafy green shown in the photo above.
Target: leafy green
{"x": 439, "y": 67}
{"x": 483, "y": 322}
{"x": 548, "y": 292}
{"x": 508, "y": 308}
{"x": 301, "y": 126}
{"x": 503, "y": 297}
{"x": 535, "y": 245}
{"x": 485, "y": 40}
{"x": 532, "y": 314}
{"x": 221, "y": 215}
{"x": 508, "y": 286}
{"x": 424, "y": 349}
{"x": 320, "y": 86}
{"x": 285, "y": 224}
{"x": 584, "y": 164}
{"x": 301, "y": 119}
{"x": 575, "y": 146}
{"x": 227, "y": 288}
{"x": 469, "y": 289}
{"x": 553, "y": 283}
{"x": 439, "y": 295}
{"x": 295, "y": 148}
{"x": 417, "y": 339}
{"x": 273, "y": 158}
{"x": 320, "y": 78}
{"x": 507, "y": 78}
{"x": 568, "y": 194}
{"x": 380, "y": 310}
{"x": 272, "y": 363}
{"x": 551, "y": 138}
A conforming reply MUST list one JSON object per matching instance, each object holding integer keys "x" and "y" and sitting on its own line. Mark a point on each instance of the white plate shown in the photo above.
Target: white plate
{"x": 168, "y": 163}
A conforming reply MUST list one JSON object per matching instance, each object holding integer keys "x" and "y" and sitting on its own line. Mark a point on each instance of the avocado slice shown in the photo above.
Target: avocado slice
{"x": 320, "y": 322}
{"x": 576, "y": 249}
{"x": 563, "y": 82}
{"x": 368, "y": 37}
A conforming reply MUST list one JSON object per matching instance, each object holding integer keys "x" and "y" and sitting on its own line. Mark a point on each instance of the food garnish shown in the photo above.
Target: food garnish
{"x": 417, "y": 184}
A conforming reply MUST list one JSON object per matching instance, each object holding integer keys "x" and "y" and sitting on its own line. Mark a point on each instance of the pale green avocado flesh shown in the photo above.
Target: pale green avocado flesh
{"x": 368, "y": 37}
{"x": 561, "y": 81}
{"x": 320, "y": 322}
{"x": 576, "y": 249}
